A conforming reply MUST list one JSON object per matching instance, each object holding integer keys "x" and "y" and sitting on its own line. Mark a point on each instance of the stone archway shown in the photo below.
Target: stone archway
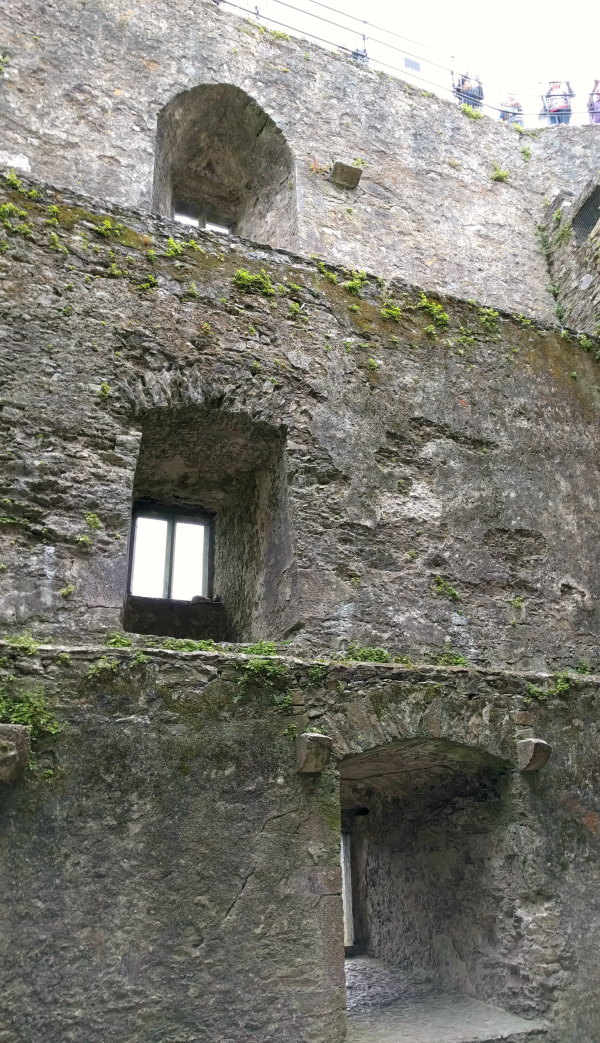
{"x": 221, "y": 156}
{"x": 426, "y": 838}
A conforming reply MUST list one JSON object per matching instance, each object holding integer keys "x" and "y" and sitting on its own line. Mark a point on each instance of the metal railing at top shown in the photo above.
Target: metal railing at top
{"x": 360, "y": 54}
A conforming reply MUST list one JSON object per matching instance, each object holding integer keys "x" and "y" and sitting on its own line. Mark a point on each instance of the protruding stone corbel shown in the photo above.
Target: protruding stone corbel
{"x": 344, "y": 175}
{"x": 14, "y": 751}
{"x": 533, "y": 754}
{"x": 313, "y": 751}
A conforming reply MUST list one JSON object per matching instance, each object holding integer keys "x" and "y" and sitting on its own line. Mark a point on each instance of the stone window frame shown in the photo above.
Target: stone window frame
{"x": 172, "y": 513}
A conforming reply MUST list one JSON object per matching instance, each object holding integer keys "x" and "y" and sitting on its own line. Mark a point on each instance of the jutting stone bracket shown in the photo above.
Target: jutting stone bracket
{"x": 14, "y": 751}
{"x": 533, "y": 754}
{"x": 313, "y": 751}
{"x": 344, "y": 175}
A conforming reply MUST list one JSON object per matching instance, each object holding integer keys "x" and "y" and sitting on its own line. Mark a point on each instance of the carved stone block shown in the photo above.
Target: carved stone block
{"x": 313, "y": 752}
{"x": 533, "y": 754}
{"x": 14, "y": 751}
{"x": 344, "y": 175}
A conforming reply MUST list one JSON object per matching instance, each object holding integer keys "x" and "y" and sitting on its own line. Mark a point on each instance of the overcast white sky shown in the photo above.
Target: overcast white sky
{"x": 514, "y": 45}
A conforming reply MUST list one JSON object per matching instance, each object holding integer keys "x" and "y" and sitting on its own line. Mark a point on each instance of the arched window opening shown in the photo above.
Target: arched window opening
{"x": 210, "y": 546}
{"x": 422, "y": 867}
{"x": 587, "y": 217}
{"x": 223, "y": 164}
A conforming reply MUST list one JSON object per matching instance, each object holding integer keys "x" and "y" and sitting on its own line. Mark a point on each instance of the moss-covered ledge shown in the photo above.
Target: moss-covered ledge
{"x": 359, "y": 704}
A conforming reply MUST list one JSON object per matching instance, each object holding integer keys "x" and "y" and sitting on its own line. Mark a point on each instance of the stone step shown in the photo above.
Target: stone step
{"x": 386, "y": 1005}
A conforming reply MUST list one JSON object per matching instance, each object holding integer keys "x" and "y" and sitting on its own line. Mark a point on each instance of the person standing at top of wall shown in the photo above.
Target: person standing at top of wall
{"x": 557, "y": 103}
{"x": 512, "y": 112}
{"x": 594, "y": 103}
{"x": 468, "y": 91}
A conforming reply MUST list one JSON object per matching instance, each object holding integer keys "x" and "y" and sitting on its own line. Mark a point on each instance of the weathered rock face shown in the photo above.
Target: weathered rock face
{"x": 167, "y": 873}
{"x": 88, "y": 85}
{"x": 420, "y": 483}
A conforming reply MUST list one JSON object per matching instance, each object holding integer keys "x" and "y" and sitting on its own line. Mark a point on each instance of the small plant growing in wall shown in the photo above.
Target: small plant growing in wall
{"x": 92, "y": 520}
{"x": 150, "y": 282}
{"x": 259, "y": 283}
{"x": 173, "y": 248}
{"x": 316, "y": 169}
{"x": 562, "y": 236}
{"x": 526, "y": 153}
{"x": 470, "y": 112}
{"x": 561, "y": 685}
{"x": 55, "y": 244}
{"x": 439, "y": 316}
{"x": 24, "y": 642}
{"x": 13, "y": 181}
{"x": 498, "y": 174}
{"x": 191, "y": 293}
{"x": 104, "y": 390}
{"x": 391, "y": 311}
{"x": 358, "y": 162}
{"x": 330, "y": 276}
{"x": 104, "y": 666}
{"x": 66, "y": 592}
{"x": 366, "y": 654}
{"x": 447, "y": 658}
{"x": 84, "y": 542}
{"x": 30, "y": 709}
{"x": 489, "y": 319}
{"x": 356, "y": 283}
{"x": 117, "y": 640}
{"x": 105, "y": 228}
{"x": 444, "y": 589}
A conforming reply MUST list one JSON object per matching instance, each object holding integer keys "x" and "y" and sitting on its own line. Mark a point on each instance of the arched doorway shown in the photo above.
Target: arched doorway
{"x": 424, "y": 867}
{"x": 221, "y": 160}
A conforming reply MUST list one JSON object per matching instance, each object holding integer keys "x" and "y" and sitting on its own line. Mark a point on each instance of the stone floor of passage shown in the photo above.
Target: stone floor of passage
{"x": 387, "y": 1005}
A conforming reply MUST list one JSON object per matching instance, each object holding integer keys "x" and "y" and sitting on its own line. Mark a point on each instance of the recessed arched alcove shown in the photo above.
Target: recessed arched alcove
{"x": 202, "y": 464}
{"x": 425, "y": 860}
{"x": 220, "y": 158}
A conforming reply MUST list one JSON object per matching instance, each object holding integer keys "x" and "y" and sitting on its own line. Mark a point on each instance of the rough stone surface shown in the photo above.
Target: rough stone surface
{"x": 388, "y": 482}
{"x": 168, "y": 851}
{"x": 81, "y": 96}
{"x": 387, "y": 1005}
{"x": 313, "y": 752}
{"x": 14, "y": 751}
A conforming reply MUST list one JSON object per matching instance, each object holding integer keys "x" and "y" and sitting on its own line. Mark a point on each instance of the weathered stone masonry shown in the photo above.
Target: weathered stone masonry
{"x": 174, "y": 856}
{"x": 416, "y": 455}
{"x": 82, "y": 93}
{"x": 404, "y": 459}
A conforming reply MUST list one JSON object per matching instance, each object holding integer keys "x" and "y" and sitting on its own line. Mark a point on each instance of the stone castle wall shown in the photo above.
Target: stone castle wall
{"x": 403, "y": 459}
{"x": 79, "y": 104}
{"x": 167, "y": 874}
{"x": 439, "y": 487}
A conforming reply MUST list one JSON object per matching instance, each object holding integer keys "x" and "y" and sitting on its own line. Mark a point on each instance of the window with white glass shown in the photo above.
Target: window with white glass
{"x": 170, "y": 553}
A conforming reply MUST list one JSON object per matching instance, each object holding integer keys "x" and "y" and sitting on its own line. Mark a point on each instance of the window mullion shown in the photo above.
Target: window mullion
{"x": 169, "y": 558}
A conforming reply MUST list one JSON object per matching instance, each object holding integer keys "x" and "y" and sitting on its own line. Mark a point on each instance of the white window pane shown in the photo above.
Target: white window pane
{"x": 212, "y": 227}
{"x": 148, "y": 572}
{"x": 183, "y": 219}
{"x": 188, "y": 561}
